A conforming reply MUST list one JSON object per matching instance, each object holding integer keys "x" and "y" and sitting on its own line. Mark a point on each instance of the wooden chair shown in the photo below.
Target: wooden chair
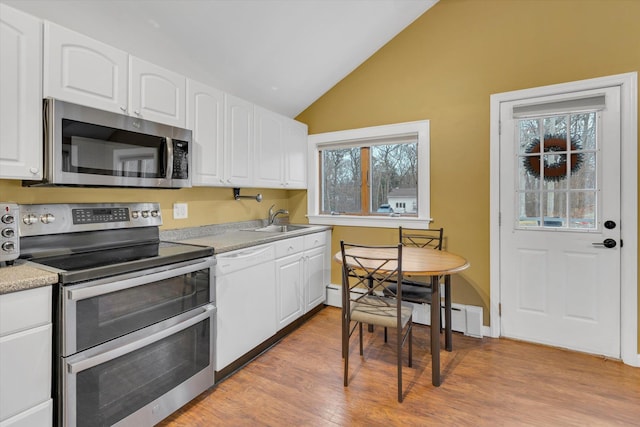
{"x": 414, "y": 289}
{"x": 365, "y": 278}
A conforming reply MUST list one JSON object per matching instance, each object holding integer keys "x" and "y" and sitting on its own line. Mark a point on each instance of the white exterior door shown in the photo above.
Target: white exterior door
{"x": 560, "y": 220}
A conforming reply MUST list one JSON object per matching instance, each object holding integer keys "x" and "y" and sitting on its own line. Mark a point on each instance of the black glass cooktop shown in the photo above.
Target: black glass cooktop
{"x": 76, "y": 267}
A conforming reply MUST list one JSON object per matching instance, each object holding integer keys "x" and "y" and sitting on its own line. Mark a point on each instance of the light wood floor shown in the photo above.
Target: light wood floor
{"x": 496, "y": 382}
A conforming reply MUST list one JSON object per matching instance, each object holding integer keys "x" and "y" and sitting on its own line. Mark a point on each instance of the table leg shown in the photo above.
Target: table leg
{"x": 435, "y": 331}
{"x": 448, "y": 336}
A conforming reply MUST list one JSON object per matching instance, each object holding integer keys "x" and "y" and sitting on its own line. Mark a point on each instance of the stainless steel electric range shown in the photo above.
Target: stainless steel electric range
{"x": 134, "y": 317}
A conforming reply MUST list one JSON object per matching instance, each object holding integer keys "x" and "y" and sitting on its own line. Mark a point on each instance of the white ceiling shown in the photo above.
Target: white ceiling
{"x": 280, "y": 54}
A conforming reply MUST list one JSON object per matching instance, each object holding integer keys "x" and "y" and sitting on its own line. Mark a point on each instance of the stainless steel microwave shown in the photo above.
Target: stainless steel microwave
{"x": 89, "y": 147}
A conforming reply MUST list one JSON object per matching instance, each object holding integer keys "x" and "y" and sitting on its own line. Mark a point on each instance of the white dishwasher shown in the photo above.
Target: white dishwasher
{"x": 246, "y": 301}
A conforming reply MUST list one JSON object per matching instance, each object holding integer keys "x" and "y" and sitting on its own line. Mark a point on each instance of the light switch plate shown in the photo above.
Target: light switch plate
{"x": 180, "y": 211}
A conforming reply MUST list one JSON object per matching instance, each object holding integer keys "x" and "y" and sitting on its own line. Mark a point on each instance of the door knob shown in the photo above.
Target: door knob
{"x": 607, "y": 243}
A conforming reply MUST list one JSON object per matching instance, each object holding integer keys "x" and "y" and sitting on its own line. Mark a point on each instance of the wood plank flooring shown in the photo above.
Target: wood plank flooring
{"x": 486, "y": 382}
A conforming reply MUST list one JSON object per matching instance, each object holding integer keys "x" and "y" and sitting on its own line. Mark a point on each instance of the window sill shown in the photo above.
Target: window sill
{"x": 369, "y": 221}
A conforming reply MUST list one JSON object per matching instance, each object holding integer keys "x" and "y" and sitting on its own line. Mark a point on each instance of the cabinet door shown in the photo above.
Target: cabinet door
{"x": 238, "y": 142}
{"x": 40, "y": 416}
{"x": 156, "y": 94}
{"x": 289, "y": 290}
{"x": 205, "y": 117}
{"x": 269, "y": 149}
{"x": 295, "y": 148}
{"x": 315, "y": 277}
{"x": 21, "y": 95}
{"x": 85, "y": 71}
{"x": 25, "y": 369}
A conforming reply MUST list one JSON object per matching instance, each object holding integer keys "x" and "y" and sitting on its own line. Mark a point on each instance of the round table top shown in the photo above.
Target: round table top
{"x": 415, "y": 261}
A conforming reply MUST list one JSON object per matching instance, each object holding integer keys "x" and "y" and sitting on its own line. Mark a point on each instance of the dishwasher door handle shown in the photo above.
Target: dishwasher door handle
{"x": 241, "y": 259}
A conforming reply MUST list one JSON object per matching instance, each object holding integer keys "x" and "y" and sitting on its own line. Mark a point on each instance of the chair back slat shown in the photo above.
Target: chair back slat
{"x": 430, "y": 237}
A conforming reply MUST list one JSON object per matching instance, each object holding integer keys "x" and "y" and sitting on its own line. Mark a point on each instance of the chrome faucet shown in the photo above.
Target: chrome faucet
{"x": 272, "y": 215}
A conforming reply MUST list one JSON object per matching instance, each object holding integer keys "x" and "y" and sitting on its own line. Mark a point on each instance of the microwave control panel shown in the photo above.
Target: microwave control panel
{"x": 9, "y": 238}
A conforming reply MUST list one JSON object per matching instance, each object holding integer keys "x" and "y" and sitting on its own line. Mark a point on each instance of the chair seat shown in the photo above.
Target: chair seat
{"x": 373, "y": 311}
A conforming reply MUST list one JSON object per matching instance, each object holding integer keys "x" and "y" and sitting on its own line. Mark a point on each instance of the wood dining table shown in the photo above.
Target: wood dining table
{"x": 424, "y": 262}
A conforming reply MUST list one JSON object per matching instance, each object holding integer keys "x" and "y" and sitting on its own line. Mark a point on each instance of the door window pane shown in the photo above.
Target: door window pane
{"x": 555, "y": 169}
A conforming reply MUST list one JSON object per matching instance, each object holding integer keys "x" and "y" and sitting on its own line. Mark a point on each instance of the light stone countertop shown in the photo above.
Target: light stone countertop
{"x": 230, "y": 237}
{"x": 24, "y": 275}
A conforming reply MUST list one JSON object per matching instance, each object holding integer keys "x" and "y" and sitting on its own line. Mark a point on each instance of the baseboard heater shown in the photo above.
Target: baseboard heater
{"x": 464, "y": 318}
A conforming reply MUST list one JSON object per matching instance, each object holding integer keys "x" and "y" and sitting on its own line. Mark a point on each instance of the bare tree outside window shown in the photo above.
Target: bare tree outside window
{"x": 390, "y": 167}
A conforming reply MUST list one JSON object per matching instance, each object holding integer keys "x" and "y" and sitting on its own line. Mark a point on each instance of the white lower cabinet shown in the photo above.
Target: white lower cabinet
{"x": 261, "y": 289}
{"x": 302, "y": 274}
{"x": 25, "y": 358}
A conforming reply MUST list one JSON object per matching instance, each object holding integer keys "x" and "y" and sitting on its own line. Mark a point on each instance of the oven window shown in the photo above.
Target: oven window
{"x": 113, "y": 390}
{"x": 101, "y": 150}
{"x": 105, "y": 317}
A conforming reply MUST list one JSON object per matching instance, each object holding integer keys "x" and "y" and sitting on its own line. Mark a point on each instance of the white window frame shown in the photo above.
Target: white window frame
{"x": 419, "y": 129}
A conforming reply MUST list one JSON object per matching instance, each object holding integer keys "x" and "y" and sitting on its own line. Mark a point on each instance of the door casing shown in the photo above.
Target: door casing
{"x": 628, "y": 83}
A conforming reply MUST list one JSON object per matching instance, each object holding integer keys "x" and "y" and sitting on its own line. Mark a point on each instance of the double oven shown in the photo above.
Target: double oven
{"x": 134, "y": 317}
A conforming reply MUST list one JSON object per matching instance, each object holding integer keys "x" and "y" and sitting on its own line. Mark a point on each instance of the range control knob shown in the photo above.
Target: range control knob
{"x": 8, "y": 247}
{"x": 155, "y": 213}
{"x": 7, "y": 218}
{"x": 145, "y": 214}
{"x": 8, "y": 233}
{"x": 47, "y": 218}
{"x": 30, "y": 219}
{"x": 135, "y": 214}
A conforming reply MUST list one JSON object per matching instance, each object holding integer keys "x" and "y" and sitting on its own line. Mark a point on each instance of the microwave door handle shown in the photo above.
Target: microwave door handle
{"x": 90, "y": 362}
{"x": 168, "y": 158}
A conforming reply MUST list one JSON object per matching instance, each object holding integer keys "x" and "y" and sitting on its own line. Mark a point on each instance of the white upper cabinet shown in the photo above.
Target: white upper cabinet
{"x": 20, "y": 95}
{"x": 295, "y": 149}
{"x": 238, "y": 142}
{"x": 84, "y": 71}
{"x": 205, "y": 117}
{"x": 280, "y": 151}
{"x": 268, "y": 153}
{"x": 156, "y": 94}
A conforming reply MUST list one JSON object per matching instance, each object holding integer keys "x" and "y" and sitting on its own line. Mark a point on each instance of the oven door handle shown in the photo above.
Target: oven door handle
{"x": 118, "y": 285}
{"x": 91, "y": 361}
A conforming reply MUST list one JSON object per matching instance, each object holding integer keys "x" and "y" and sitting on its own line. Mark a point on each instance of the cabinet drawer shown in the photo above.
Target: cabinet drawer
{"x": 25, "y": 309}
{"x": 289, "y": 246}
{"x": 315, "y": 240}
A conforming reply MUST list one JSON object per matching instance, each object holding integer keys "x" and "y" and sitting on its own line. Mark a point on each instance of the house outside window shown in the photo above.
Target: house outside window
{"x": 377, "y": 176}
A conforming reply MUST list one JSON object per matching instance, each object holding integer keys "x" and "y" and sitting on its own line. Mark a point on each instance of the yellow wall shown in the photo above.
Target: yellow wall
{"x": 444, "y": 67}
{"x": 205, "y": 205}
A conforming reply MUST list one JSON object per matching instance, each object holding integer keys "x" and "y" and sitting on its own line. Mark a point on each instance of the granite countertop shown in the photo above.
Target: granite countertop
{"x": 24, "y": 275}
{"x": 229, "y": 237}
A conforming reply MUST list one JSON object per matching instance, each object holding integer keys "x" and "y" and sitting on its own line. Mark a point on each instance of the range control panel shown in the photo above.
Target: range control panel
{"x": 9, "y": 236}
{"x": 38, "y": 220}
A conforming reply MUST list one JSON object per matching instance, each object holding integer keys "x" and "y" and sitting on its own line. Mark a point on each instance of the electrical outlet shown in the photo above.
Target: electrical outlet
{"x": 180, "y": 211}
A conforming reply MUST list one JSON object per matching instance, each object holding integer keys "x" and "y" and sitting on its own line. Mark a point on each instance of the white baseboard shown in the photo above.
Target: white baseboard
{"x": 464, "y": 318}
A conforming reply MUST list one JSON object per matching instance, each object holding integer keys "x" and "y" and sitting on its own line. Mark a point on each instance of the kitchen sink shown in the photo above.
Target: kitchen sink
{"x": 274, "y": 228}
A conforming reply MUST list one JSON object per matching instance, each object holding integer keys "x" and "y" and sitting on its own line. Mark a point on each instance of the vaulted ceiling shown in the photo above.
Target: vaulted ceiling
{"x": 280, "y": 54}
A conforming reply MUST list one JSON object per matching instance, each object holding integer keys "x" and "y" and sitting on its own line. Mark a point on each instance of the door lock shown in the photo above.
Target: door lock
{"x": 607, "y": 243}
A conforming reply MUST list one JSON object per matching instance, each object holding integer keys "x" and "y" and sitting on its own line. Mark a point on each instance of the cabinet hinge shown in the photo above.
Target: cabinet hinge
{"x": 500, "y": 309}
